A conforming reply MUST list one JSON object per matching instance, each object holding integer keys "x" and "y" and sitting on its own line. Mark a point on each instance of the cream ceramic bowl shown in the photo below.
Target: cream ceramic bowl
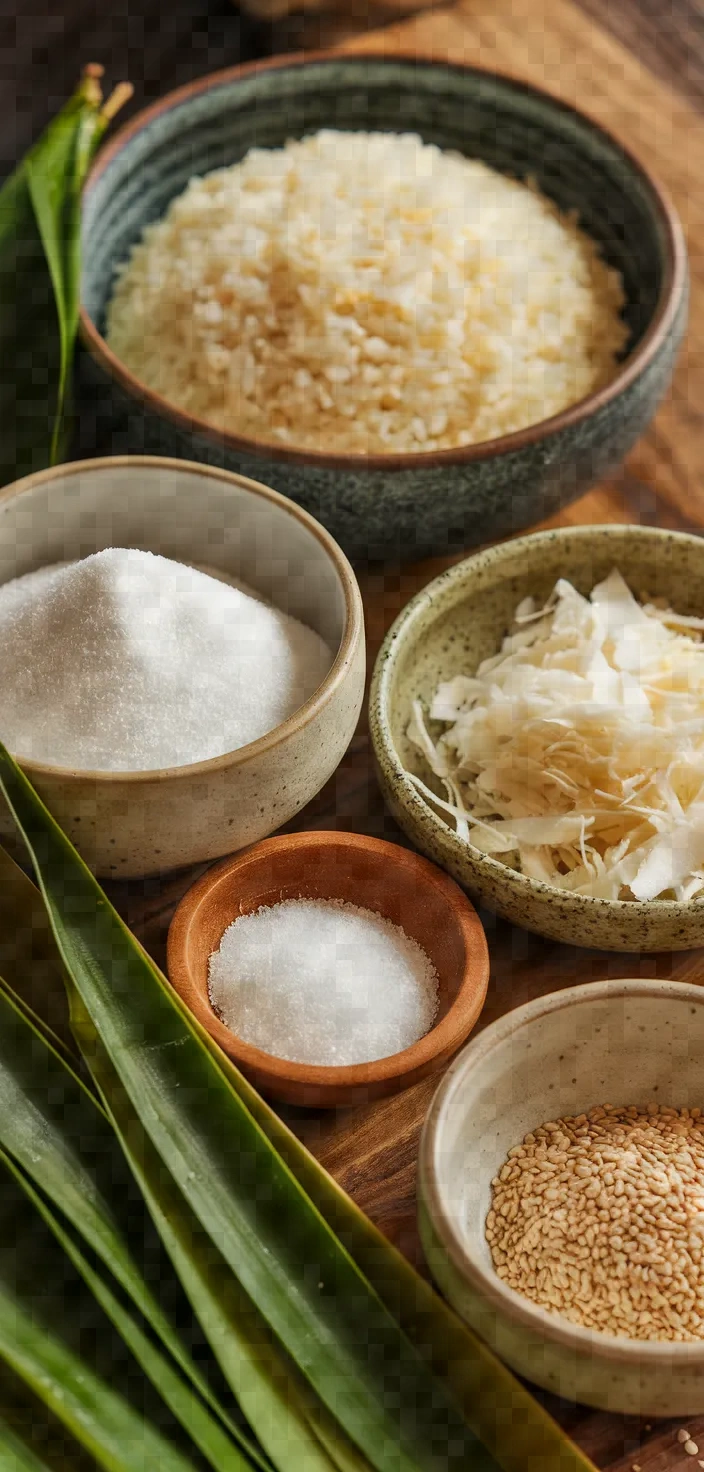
{"x": 617, "y": 1042}
{"x": 136, "y": 823}
{"x": 459, "y": 620}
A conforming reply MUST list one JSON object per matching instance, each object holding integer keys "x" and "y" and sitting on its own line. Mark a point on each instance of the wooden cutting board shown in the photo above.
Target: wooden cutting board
{"x": 372, "y": 1150}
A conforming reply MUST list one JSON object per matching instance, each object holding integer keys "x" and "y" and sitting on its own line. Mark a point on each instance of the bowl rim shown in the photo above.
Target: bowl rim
{"x": 384, "y": 746}
{"x": 352, "y": 633}
{"x": 443, "y": 1038}
{"x": 509, "y": 1303}
{"x": 675, "y": 275}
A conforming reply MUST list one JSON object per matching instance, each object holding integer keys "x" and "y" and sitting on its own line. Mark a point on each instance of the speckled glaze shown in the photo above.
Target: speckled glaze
{"x": 134, "y": 823}
{"x": 402, "y": 505}
{"x": 460, "y": 619}
{"x": 605, "y": 1042}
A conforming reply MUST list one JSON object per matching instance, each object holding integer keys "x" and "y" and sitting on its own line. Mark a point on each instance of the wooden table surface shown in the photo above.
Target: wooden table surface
{"x": 639, "y": 67}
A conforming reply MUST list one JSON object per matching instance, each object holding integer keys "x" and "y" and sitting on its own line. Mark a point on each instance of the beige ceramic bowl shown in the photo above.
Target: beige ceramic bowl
{"x": 617, "y": 1042}
{"x": 461, "y": 619}
{"x": 133, "y": 823}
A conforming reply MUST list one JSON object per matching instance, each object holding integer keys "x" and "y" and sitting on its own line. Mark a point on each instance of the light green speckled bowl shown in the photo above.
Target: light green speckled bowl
{"x": 460, "y": 619}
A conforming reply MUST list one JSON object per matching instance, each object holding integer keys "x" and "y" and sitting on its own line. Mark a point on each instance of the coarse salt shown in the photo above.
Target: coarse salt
{"x": 126, "y": 661}
{"x": 322, "y": 982}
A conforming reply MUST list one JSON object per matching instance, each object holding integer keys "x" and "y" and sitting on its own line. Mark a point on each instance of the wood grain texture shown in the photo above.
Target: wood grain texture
{"x": 372, "y": 1149}
{"x": 667, "y": 37}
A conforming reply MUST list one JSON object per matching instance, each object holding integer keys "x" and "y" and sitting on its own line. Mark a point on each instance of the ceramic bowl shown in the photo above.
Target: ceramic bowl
{"x": 364, "y": 871}
{"x": 133, "y": 823}
{"x": 615, "y": 1042}
{"x": 408, "y": 505}
{"x": 460, "y": 619}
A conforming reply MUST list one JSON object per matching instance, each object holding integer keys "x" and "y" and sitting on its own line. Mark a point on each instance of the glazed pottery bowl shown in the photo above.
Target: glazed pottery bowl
{"x": 131, "y": 823}
{"x": 363, "y": 871}
{"x": 460, "y": 619}
{"x": 615, "y": 1042}
{"x": 408, "y": 505}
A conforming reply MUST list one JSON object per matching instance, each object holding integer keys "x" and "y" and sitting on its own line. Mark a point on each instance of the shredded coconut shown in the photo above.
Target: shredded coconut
{"x": 367, "y": 293}
{"x": 576, "y": 754}
{"x": 126, "y": 661}
{"x": 322, "y": 982}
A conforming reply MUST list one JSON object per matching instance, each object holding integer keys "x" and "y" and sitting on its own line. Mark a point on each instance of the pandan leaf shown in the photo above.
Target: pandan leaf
{"x": 29, "y": 960}
{"x": 26, "y": 1423}
{"x": 490, "y": 1394}
{"x": 185, "y": 1406}
{"x": 55, "y": 1128}
{"x": 53, "y": 1336}
{"x": 16, "y": 1455}
{"x": 40, "y": 280}
{"x": 285, "y": 1256}
{"x": 510, "y": 1422}
{"x": 56, "y": 1131}
{"x": 272, "y": 1396}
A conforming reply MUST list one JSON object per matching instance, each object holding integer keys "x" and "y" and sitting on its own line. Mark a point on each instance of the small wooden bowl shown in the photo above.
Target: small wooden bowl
{"x": 364, "y": 871}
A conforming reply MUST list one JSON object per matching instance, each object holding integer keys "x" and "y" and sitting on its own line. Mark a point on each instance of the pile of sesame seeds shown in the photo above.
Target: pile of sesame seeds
{"x": 600, "y": 1218}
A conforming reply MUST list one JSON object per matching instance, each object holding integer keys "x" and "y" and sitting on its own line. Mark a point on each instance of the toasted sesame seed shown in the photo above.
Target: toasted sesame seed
{"x": 691, "y": 1448}
{"x": 604, "y": 1222}
{"x": 683, "y": 1436}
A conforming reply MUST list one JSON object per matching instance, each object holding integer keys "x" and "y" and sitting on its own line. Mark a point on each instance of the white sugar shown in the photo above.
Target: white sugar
{"x": 126, "y": 661}
{"x": 322, "y": 982}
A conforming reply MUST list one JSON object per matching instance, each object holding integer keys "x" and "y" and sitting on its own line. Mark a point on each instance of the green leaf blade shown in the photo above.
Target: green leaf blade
{"x": 53, "y": 1128}
{"x": 287, "y": 1260}
{"x": 263, "y": 1382}
{"x": 518, "y": 1431}
{"x": 29, "y": 960}
{"x": 40, "y": 284}
{"x": 116, "y": 1436}
{"x": 16, "y": 1455}
{"x": 184, "y": 1405}
{"x": 492, "y": 1397}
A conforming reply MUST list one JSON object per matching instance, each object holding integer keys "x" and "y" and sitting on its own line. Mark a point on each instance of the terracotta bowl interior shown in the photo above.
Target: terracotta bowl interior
{"x": 378, "y": 876}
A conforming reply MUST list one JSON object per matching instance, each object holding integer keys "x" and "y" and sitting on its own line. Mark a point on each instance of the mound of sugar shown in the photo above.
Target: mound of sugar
{"x": 323, "y": 982}
{"x": 126, "y": 661}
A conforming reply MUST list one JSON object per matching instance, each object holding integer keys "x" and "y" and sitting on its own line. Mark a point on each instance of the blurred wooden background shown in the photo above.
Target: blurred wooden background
{"x": 163, "y": 43}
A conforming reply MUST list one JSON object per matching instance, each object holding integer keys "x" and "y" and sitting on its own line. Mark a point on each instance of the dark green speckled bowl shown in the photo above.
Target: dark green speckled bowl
{"x": 410, "y": 505}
